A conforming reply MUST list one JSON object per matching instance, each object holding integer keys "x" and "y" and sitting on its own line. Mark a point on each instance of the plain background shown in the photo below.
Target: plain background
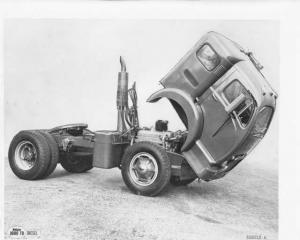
{"x": 60, "y": 71}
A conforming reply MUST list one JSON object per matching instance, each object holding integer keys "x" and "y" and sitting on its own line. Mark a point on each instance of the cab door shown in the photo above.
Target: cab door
{"x": 227, "y": 109}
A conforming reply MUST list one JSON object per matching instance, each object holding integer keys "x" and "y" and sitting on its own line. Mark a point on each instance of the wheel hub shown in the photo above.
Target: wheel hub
{"x": 143, "y": 169}
{"x": 25, "y": 155}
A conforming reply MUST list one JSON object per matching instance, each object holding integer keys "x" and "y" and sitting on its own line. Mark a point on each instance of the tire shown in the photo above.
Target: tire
{"x": 76, "y": 164}
{"x": 54, "y": 153}
{"x": 150, "y": 156}
{"x": 29, "y": 155}
{"x": 175, "y": 181}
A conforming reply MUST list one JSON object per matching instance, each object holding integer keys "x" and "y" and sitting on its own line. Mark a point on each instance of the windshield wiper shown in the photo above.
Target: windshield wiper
{"x": 255, "y": 62}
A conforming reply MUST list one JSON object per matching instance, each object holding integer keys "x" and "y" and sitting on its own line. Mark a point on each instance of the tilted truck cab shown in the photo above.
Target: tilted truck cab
{"x": 217, "y": 90}
{"x": 224, "y": 101}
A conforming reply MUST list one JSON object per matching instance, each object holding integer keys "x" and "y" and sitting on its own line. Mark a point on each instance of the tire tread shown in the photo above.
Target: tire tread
{"x": 54, "y": 153}
{"x": 157, "y": 187}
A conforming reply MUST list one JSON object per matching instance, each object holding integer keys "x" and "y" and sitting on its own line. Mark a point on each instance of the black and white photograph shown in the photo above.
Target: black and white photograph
{"x": 197, "y": 152}
{"x": 129, "y": 129}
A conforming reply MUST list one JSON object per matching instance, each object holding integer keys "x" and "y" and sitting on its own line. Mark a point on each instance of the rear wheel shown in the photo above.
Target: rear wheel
{"x": 29, "y": 155}
{"x": 54, "y": 153}
{"x": 146, "y": 168}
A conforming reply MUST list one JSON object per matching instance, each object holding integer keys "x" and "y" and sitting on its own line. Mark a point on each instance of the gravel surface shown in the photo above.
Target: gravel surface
{"x": 97, "y": 205}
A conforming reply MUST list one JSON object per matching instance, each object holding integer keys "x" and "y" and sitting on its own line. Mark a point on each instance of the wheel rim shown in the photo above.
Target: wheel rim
{"x": 143, "y": 169}
{"x": 25, "y": 155}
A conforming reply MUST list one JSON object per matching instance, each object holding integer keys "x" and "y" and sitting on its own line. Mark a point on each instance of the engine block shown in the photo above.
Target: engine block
{"x": 153, "y": 136}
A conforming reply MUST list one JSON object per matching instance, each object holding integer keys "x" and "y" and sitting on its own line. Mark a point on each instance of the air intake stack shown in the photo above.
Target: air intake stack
{"x": 122, "y": 97}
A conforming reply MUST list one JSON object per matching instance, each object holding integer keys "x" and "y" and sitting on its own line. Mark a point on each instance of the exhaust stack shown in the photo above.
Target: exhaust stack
{"x": 122, "y": 96}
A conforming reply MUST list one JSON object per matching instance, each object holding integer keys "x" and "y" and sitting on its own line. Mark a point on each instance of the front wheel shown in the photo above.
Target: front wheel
{"x": 146, "y": 168}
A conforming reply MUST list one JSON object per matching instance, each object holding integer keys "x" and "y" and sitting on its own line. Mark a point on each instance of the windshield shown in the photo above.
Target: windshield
{"x": 245, "y": 109}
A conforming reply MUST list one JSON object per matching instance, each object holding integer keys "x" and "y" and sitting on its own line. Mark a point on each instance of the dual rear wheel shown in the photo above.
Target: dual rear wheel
{"x": 34, "y": 154}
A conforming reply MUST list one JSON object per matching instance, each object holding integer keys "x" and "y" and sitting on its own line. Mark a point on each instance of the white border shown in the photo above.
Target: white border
{"x": 287, "y": 13}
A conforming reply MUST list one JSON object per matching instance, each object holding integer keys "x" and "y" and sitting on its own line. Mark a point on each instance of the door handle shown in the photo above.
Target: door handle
{"x": 215, "y": 97}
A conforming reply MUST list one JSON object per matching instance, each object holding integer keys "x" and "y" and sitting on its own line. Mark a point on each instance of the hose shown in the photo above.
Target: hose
{"x": 132, "y": 113}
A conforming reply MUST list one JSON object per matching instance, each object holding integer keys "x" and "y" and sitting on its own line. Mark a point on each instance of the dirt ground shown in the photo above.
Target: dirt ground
{"x": 97, "y": 205}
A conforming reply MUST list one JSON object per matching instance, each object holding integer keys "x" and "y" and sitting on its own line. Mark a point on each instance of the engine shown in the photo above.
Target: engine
{"x": 153, "y": 136}
{"x": 171, "y": 141}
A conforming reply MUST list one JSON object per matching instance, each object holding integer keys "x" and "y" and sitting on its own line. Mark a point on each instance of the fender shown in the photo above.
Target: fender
{"x": 69, "y": 126}
{"x": 190, "y": 113}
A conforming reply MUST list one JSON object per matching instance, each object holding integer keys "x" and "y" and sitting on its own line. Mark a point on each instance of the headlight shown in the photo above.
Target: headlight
{"x": 208, "y": 57}
{"x": 262, "y": 122}
{"x": 258, "y": 131}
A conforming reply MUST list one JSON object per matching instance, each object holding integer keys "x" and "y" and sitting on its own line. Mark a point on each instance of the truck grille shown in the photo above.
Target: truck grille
{"x": 220, "y": 70}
